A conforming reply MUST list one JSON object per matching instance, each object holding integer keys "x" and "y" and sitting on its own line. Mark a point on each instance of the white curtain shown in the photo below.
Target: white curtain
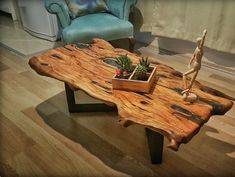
{"x": 186, "y": 19}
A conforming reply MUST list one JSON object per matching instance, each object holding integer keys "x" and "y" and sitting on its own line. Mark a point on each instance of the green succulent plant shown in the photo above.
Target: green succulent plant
{"x": 141, "y": 69}
{"x": 141, "y": 72}
{"x": 124, "y": 63}
{"x": 144, "y": 62}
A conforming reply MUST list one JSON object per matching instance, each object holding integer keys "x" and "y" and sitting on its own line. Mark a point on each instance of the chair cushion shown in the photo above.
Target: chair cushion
{"x": 100, "y": 25}
{"x": 83, "y": 7}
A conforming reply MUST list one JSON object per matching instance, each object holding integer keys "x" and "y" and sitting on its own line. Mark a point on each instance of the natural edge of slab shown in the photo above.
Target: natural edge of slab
{"x": 46, "y": 65}
{"x": 174, "y": 141}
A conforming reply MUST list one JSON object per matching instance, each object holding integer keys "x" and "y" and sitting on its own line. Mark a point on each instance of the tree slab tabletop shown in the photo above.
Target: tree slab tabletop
{"x": 82, "y": 67}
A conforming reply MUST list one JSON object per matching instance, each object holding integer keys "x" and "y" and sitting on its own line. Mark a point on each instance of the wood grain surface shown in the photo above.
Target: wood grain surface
{"x": 81, "y": 66}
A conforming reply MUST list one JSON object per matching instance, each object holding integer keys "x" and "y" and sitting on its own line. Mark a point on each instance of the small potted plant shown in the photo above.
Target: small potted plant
{"x": 125, "y": 67}
{"x": 138, "y": 78}
{"x": 142, "y": 69}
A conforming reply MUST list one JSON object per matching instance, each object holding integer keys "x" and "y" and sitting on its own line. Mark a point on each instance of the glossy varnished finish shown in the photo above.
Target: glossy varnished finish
{"x": 162, "y": 110}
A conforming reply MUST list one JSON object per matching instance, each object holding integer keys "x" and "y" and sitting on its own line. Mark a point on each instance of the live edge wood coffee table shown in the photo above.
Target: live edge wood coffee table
{"x": 89, "y": 67}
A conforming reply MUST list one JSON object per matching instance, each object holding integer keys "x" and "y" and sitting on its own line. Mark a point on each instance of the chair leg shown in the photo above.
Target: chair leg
{"x": 131, "y": 44}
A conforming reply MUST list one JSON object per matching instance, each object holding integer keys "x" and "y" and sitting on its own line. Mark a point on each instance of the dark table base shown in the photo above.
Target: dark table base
{"x": 155, "y": 139}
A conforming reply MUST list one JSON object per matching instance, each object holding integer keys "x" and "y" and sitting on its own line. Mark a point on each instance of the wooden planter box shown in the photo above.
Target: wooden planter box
{"x": 132, "y": 84}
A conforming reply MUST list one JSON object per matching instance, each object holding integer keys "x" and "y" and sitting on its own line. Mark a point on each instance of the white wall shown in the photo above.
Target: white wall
{"x": 180, "y": 46}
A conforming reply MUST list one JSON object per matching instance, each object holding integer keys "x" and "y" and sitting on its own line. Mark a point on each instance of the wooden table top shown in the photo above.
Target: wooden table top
{"x": 82, "y": 67}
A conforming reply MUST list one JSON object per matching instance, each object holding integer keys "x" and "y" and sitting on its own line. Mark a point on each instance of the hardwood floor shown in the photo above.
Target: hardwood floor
{"x": 38, "y": 137}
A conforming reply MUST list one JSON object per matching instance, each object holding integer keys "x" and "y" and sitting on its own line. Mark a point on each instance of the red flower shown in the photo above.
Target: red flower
{"x": 125, "y": 73}
{"x": 118, "y": 72}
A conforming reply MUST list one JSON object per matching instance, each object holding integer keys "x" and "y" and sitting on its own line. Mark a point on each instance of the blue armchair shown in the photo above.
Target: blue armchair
{"x": 110, "y": 25}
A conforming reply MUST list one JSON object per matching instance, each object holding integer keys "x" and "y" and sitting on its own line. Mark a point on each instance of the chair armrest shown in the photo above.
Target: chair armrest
{"x": 120, "y": 8}
{"x": 61, "y": 10}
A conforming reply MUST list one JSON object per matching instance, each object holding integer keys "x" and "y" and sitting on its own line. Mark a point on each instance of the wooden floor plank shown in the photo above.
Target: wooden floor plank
{"x": 69, "y": 143}
{"x": 15, "y": 136}
{"x": 24, "y": 166}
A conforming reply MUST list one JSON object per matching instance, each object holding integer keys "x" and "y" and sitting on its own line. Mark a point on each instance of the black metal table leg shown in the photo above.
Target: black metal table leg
{"x": 93, "y": 107}
{"x": 155, "y": 140}
{"x": 155, "y": 143}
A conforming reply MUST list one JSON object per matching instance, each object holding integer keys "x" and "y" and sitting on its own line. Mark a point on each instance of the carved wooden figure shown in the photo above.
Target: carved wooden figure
{"x": 194, "y": 66}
